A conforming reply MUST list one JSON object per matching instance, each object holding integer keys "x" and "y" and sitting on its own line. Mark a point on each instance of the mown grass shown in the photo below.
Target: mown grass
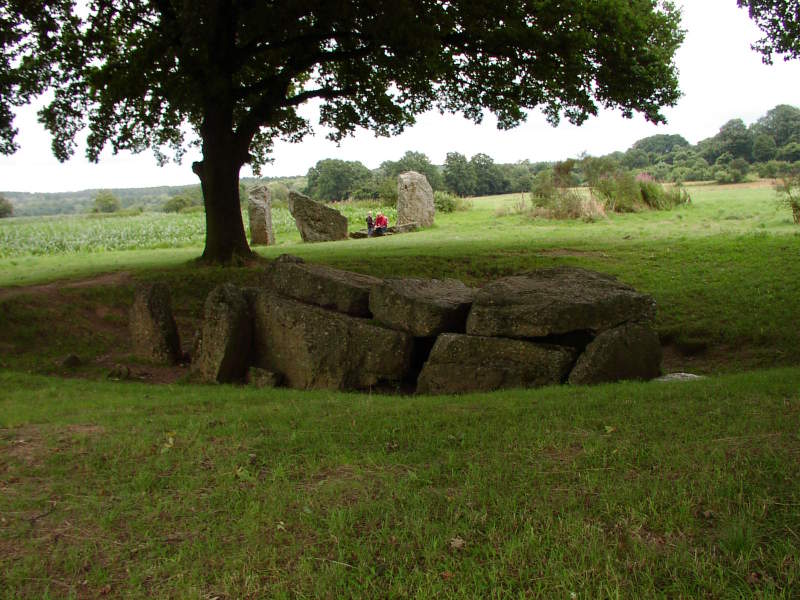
{"x": 723, "y": 271}
{"x": 628, "y": 490}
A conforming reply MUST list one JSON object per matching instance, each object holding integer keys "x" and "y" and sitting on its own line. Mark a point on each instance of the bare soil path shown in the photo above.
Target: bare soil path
{"x": 49, "y": 289}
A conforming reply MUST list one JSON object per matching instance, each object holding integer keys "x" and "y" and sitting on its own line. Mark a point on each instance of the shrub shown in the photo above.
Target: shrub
{"x": 6, "y": 208}
{"x": 543, "y": 190}
{"x": 657, "y": 197}
{"x": 177, "y": 204}
{"x": 619, "y": 192}
{"x": 106, "y": 202}
{"x": 446, "y": 202}
{"x": 727, "y": 175}
{"x": 788, "y": 189}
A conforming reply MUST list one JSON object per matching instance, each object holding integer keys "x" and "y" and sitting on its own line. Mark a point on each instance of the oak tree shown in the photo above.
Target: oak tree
{"x": 780, "y": 22}
{"x": 231, "y": 75}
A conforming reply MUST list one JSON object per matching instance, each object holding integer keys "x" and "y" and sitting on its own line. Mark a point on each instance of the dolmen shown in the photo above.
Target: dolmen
{"x": 314, "y": 327}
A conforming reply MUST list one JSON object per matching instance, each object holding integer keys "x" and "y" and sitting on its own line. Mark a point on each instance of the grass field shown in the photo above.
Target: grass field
{"x": 130, "y": 489}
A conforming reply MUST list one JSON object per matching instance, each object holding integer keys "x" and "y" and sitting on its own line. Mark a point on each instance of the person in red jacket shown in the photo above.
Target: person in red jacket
{"x": 381, "y": 223}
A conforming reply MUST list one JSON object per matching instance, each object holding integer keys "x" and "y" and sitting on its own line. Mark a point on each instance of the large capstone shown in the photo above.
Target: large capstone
{"x": 630, "y": 351}
{"x": 223, "y": 351}
{"x": 323, "y": 286}
{"x": 422, "y": 307}
{"x": 463, "y": 363}
{"x": 414, "y": 199}
{"x": 315, "y": 221}
{"x": 314, "y": 348}
{"x": 556, "y": 301}
{"x": 152, "y": 326}
{"x": 259, "y": 210}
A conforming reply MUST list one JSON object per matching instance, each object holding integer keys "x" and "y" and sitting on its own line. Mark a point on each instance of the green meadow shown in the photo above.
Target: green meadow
{"x": 158, "y": 487}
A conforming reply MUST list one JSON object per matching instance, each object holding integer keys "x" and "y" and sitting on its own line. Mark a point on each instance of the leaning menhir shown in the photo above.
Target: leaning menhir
{"x": 315, "y": 221}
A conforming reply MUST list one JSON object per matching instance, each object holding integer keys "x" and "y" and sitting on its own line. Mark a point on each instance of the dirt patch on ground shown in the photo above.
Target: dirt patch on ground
{"x": 30, "y": 443}
{"x": 559, "y": 252}
{"x": 85, "y": 320}
{"x": 747, "y": 185}
{"x": 49, "y": 289}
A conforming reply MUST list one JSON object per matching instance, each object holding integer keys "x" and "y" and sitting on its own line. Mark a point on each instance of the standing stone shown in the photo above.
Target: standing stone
{"x": 315, "y": 221}
{"x": 463, "y": 363}
{"x": 630, "y": 351}
{"x": 422, "y": 307}
{"x": 224, "y": 348}
{"x": 556, "y": 301}
{"x": 259, "y": 209}
{"x": 414, "y": 199}
{"x": 153, "y": 329}
{"x": 314, "y": 348}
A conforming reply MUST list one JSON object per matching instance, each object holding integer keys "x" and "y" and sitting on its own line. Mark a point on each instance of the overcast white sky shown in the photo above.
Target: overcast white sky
{"x": 720, "y": 76}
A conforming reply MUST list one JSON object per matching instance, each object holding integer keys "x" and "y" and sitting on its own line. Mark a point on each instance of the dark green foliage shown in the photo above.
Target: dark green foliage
{"x": 6, "y": 208}
{"x": 764, "y": 148}
{"x": 789, "y": 153}
{"x": 780, "y": 22}
{"x": 734, "y": 138}
{"x": 782, "y": 123}
{"x": 459, "y": 177}
{"x": 333, "y": 179}
{"x": 636, "y": 158}
{"x": 413, "y": 161}
{"x": 489, "y": 178}
{"x": 179, "y": 203}
{"x": 660, "y": 144}
{"x": 30, "y": 34}
{"x": 106, "y": 202}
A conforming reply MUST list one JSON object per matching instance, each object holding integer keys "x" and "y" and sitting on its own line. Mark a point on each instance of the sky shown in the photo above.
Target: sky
{"x": 721, "y": 78}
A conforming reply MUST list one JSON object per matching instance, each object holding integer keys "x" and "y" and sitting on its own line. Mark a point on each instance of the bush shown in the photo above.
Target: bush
{"x": 447, "y": 203}
{"x": 619, "y": 192}
{"x": 106, "y": 202}
{"x": 177, "y": 204}
{"x": 657, "y": 197}
{"x": 6, "y": 208}
{"x": 727, "y": 175}
{"x": 788, "y": 189}
{"x": 543, "y": 190}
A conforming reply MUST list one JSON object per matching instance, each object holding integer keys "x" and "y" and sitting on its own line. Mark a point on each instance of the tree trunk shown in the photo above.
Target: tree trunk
{"x": 219, "y": 177}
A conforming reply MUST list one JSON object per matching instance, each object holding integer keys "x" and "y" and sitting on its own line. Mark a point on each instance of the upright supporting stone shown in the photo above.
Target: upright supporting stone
{"x": 414, "y": 199}
{"x": 223, "y": 351}
{"x": 153, "y": 329}
{"x": 259, "y": 209}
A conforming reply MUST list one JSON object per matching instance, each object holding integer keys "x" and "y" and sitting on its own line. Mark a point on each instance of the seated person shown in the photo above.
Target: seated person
{"x": 381, "y": 224}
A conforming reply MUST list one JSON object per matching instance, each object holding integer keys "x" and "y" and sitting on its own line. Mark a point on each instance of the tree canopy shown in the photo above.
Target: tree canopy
{"x": 333, "y": 179}
{"x": 780, "y": 22}
{"x": 230, "y": 75}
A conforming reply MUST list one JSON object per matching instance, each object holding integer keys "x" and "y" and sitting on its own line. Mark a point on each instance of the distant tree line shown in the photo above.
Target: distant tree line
{"x": 333, "y": 179}
{"x": 770, "y": 147}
